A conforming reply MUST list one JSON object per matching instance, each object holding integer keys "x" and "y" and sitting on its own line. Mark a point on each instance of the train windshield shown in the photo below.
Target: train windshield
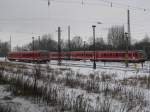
{"x": 44, "y": 54}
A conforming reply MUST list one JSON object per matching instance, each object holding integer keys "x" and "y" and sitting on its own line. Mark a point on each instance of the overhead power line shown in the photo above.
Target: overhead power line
{"x": 99, "y": 3}
{"x": 125, "y": 5}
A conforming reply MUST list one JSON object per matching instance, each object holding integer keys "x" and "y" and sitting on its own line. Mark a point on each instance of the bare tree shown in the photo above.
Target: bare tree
{"x": 116, "y": 37}
{"x": 99, "y": 43}
{"x": 144, "y": 44}
{"x": 76, "y": 43}
{"x": 44, "y": 43}
{"x": 4, "y": 48}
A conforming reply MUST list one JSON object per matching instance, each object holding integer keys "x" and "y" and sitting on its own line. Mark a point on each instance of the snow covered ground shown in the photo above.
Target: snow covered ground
{"x": 110, "y": 84}
{"x": 18, "y": 104}
{"x": 85, "y": 68}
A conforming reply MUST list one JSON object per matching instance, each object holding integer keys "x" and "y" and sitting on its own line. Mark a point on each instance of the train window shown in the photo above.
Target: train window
{"x": 66, "y": 54}
{"x": 121, "y": 54}
{"x": 89, "y": 55}
{"x": 97, "y": 54}
{"x": 129, "y": 54}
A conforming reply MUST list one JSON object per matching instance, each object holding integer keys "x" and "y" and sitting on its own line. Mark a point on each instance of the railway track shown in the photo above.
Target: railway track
{"x": 122, "y": 68}
{"x": 82, "y": 65}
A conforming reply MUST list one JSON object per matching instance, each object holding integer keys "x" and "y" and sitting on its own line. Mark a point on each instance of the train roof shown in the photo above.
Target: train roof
{"x": 101, "y": 51}
{"x": 37, "y": 51}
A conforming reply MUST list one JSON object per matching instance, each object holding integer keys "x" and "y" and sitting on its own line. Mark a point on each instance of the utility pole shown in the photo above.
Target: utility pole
{"x": 129, "y": 32}
{"x": 59, "y": 46}
{"x": 10, "y": 44}
{"x": 84, "y": 51}
{"x": 39, "y": 43}
{"x": 33, "y": 43}
{"x": 69, "y": 45}
{"x": 33, "y": 47}
{"x": 94, "y": 51}
{"x": 127, "y": 49}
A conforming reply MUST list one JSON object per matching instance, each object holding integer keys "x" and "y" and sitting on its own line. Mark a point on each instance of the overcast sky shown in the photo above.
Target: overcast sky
{"x": 23, "y": 19}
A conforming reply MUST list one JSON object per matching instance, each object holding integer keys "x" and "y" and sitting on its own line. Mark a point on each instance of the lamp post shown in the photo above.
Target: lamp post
{"x": 94, "y": 51}
{"x": 59, "y": 46}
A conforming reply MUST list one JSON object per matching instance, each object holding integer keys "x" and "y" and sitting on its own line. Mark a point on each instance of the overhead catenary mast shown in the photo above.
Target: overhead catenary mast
{"x": 10, "y": 44}
{"x": 69, "y": 44}
{"x": 129, "y": 31}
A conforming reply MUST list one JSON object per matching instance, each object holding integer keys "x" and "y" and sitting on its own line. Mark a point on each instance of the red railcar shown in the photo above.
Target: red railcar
{"x": 29, "y": 56}
{"x": 131, "y": 56}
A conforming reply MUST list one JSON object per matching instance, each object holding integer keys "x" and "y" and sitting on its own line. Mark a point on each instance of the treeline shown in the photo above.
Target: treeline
{"x": 4, "y": 48}
{"x": 116, "y": 40}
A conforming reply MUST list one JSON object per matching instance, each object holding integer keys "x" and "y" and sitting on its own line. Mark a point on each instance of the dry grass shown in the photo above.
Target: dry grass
{"x": 54, "y": 81}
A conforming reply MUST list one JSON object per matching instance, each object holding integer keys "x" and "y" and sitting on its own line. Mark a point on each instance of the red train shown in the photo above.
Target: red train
{"x": 44, "y": 56}
{"x": 109, "y": 56}
{"x": 29, "y": 56}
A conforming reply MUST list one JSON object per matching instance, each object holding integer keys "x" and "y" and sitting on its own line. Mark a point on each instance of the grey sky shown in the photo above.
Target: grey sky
{"x": 23, "y": 19}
